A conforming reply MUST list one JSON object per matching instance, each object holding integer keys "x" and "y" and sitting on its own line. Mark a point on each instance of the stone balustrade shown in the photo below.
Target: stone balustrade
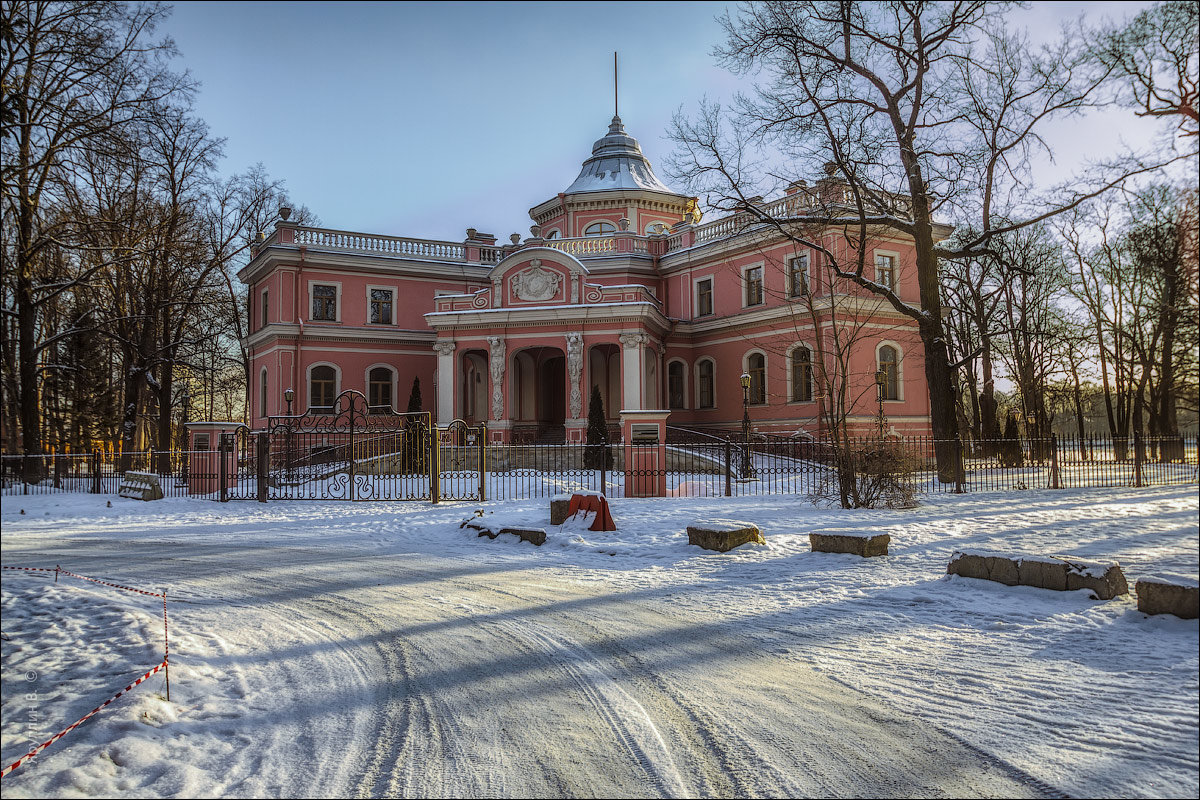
{"x": 383, "y": 245}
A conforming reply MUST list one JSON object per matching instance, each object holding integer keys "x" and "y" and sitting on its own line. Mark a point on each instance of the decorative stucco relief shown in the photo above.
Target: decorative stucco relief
{"x": 535, "y": 283}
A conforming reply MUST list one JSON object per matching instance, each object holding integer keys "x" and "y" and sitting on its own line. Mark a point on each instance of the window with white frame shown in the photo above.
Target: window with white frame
{"x": 675, "y": 384}
{"x": 705, "y": 384}
{"x": 324, "y": 302}
{"x": 379, "y": 311}
{"x": 599, "y": 229}
{"x": 889, "y": 365}
{"x": 754, "y": 286}
{"x": 379, "y": 388}
{"x": 704, "y": 297}
{"x": 552, "y": 234}
{"x": 264, "y": 311}
{"x": 798, "y": 275}
{"x": 802, "y": 375}
{"x": 756, "y": 365}
{"x": 322, "y": 387}
{"x": 885, "y": 271}
{"x": 262, "y": 393}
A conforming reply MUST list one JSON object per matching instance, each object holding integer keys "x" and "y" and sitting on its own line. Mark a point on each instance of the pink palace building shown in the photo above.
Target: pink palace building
{"x": 620, "y": 287}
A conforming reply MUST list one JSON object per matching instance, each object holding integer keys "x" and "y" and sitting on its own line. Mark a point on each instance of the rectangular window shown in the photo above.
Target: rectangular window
{"x": 324, "y": 303}
{"x": 381, "y": 307}
{"x": 798, "y": 276}
{"x": 200, "y": 441}
{"x": 754, "y": 286}
{"x": 264, "y": 315}
{"x": 704, "y": 297}
{"x": 885, "y": 271}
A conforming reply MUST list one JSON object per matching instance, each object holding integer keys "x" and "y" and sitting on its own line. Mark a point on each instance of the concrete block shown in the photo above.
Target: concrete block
{"x": 1162, "y": 595}
{"x": 859, "y": 544}
{"x": 1105, "y": 581}
{"x": 558, "y": 511}
{"x": 723, "y": 535}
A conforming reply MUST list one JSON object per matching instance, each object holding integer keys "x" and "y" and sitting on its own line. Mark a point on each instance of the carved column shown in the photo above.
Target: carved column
{"x": 632, "y": 370}
{"x": 574, "y": 371}
{"x": 445, "y": 381}
{"x": 497, "y": 348}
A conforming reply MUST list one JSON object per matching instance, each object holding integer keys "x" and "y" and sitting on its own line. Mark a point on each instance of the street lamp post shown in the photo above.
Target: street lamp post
{"x": 288, "y": 396}
{"x": 747, "y": 466}
{"x": 880, "y": 385}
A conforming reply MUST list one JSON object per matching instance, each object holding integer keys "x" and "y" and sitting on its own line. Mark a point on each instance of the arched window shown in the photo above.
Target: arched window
{"x": 379, "y": 388}
{"x": 554, "y": 234}
{"x": 599, "y": 229}
{"x": 262, "y": 393}
{"x": 322, "y": 387}
{"x": 802, "y": 370}
{"x": 889, "y": 365}
{"x": 675, "y": 398}
{"x": 655, "y": 228}
{"x": 704, "y": 384}
{"x": 756, "y": 365}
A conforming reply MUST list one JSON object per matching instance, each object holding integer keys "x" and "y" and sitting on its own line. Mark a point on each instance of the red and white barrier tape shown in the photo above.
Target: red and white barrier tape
{"x": 114, "y": 585}
{"x": 61, "y": 571}
{"x": 6, "y": 770}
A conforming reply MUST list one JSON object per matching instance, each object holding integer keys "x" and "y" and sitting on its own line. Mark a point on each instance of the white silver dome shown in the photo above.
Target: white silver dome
{"x": 616, "y": 163}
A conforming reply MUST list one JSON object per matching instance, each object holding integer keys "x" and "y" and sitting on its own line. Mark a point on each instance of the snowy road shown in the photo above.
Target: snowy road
{"x": 373, "y": 650}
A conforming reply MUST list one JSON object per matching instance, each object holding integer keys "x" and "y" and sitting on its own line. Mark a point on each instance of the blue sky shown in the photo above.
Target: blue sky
{"x": 423, "y": 119}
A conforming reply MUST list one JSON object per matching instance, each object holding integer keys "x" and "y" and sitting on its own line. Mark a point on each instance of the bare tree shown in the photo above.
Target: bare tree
{"x": 73, "y": 74}
{"x": 919, "y": 109}
{"x": 1157, "y": 56}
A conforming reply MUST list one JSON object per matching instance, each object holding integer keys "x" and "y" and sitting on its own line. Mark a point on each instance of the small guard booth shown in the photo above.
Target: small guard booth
{"x": 644, "y": 434}
{"x": 205, "y": 454}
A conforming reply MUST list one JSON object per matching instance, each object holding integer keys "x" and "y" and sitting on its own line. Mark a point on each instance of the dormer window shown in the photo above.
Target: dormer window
{"x": 600, "y": 229}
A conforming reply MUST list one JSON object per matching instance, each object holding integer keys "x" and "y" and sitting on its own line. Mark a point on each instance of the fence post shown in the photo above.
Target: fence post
{"x": 604, "y": 454}
{"x": 435, "y": 469}
{"x": 728, "y": 468}
{"x": 262, "y": 455}
{"x": 223, "y": 449}
{"x": 483, "y": 463}
{"x": 95, "y": 472}
{"x": 1055, "y": 482}
{"x": 1137, "y": 458}
{"x": 25, "y": 473}
{"x": 959, "y": 467}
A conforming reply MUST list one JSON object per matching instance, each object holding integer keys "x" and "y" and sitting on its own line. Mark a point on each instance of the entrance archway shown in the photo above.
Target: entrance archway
{"x": 539, "y": 389}
{"x": 473, "y": 383}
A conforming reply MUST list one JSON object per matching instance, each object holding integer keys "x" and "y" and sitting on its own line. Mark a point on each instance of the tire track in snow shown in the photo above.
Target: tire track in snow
{"x": 628, "y": 720}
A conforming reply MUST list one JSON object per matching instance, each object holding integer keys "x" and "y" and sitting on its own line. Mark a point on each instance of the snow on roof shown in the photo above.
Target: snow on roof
{"x": 616, "y": 163}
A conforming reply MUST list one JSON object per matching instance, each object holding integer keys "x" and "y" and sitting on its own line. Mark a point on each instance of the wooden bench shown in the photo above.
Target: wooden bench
{"x": 140, "y": 486}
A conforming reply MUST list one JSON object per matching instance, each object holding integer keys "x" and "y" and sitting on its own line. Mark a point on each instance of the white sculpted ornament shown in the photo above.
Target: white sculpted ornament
{"x": 536, "y": 283}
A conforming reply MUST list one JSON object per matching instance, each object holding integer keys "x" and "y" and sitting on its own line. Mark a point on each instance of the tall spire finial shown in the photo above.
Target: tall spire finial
{"x": 615, "y": 107}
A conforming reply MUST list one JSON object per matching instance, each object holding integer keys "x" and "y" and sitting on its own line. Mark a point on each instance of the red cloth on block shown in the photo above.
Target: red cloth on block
{"x": 593, "y": 504}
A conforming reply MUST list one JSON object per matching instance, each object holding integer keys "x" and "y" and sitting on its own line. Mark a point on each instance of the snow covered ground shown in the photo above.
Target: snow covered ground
{"x": 323, "y": 648}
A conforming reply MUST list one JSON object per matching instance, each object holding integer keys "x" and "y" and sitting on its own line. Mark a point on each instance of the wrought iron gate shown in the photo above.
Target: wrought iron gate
{"x": 351, "y": 451}
{"x": 355, "y": 451}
